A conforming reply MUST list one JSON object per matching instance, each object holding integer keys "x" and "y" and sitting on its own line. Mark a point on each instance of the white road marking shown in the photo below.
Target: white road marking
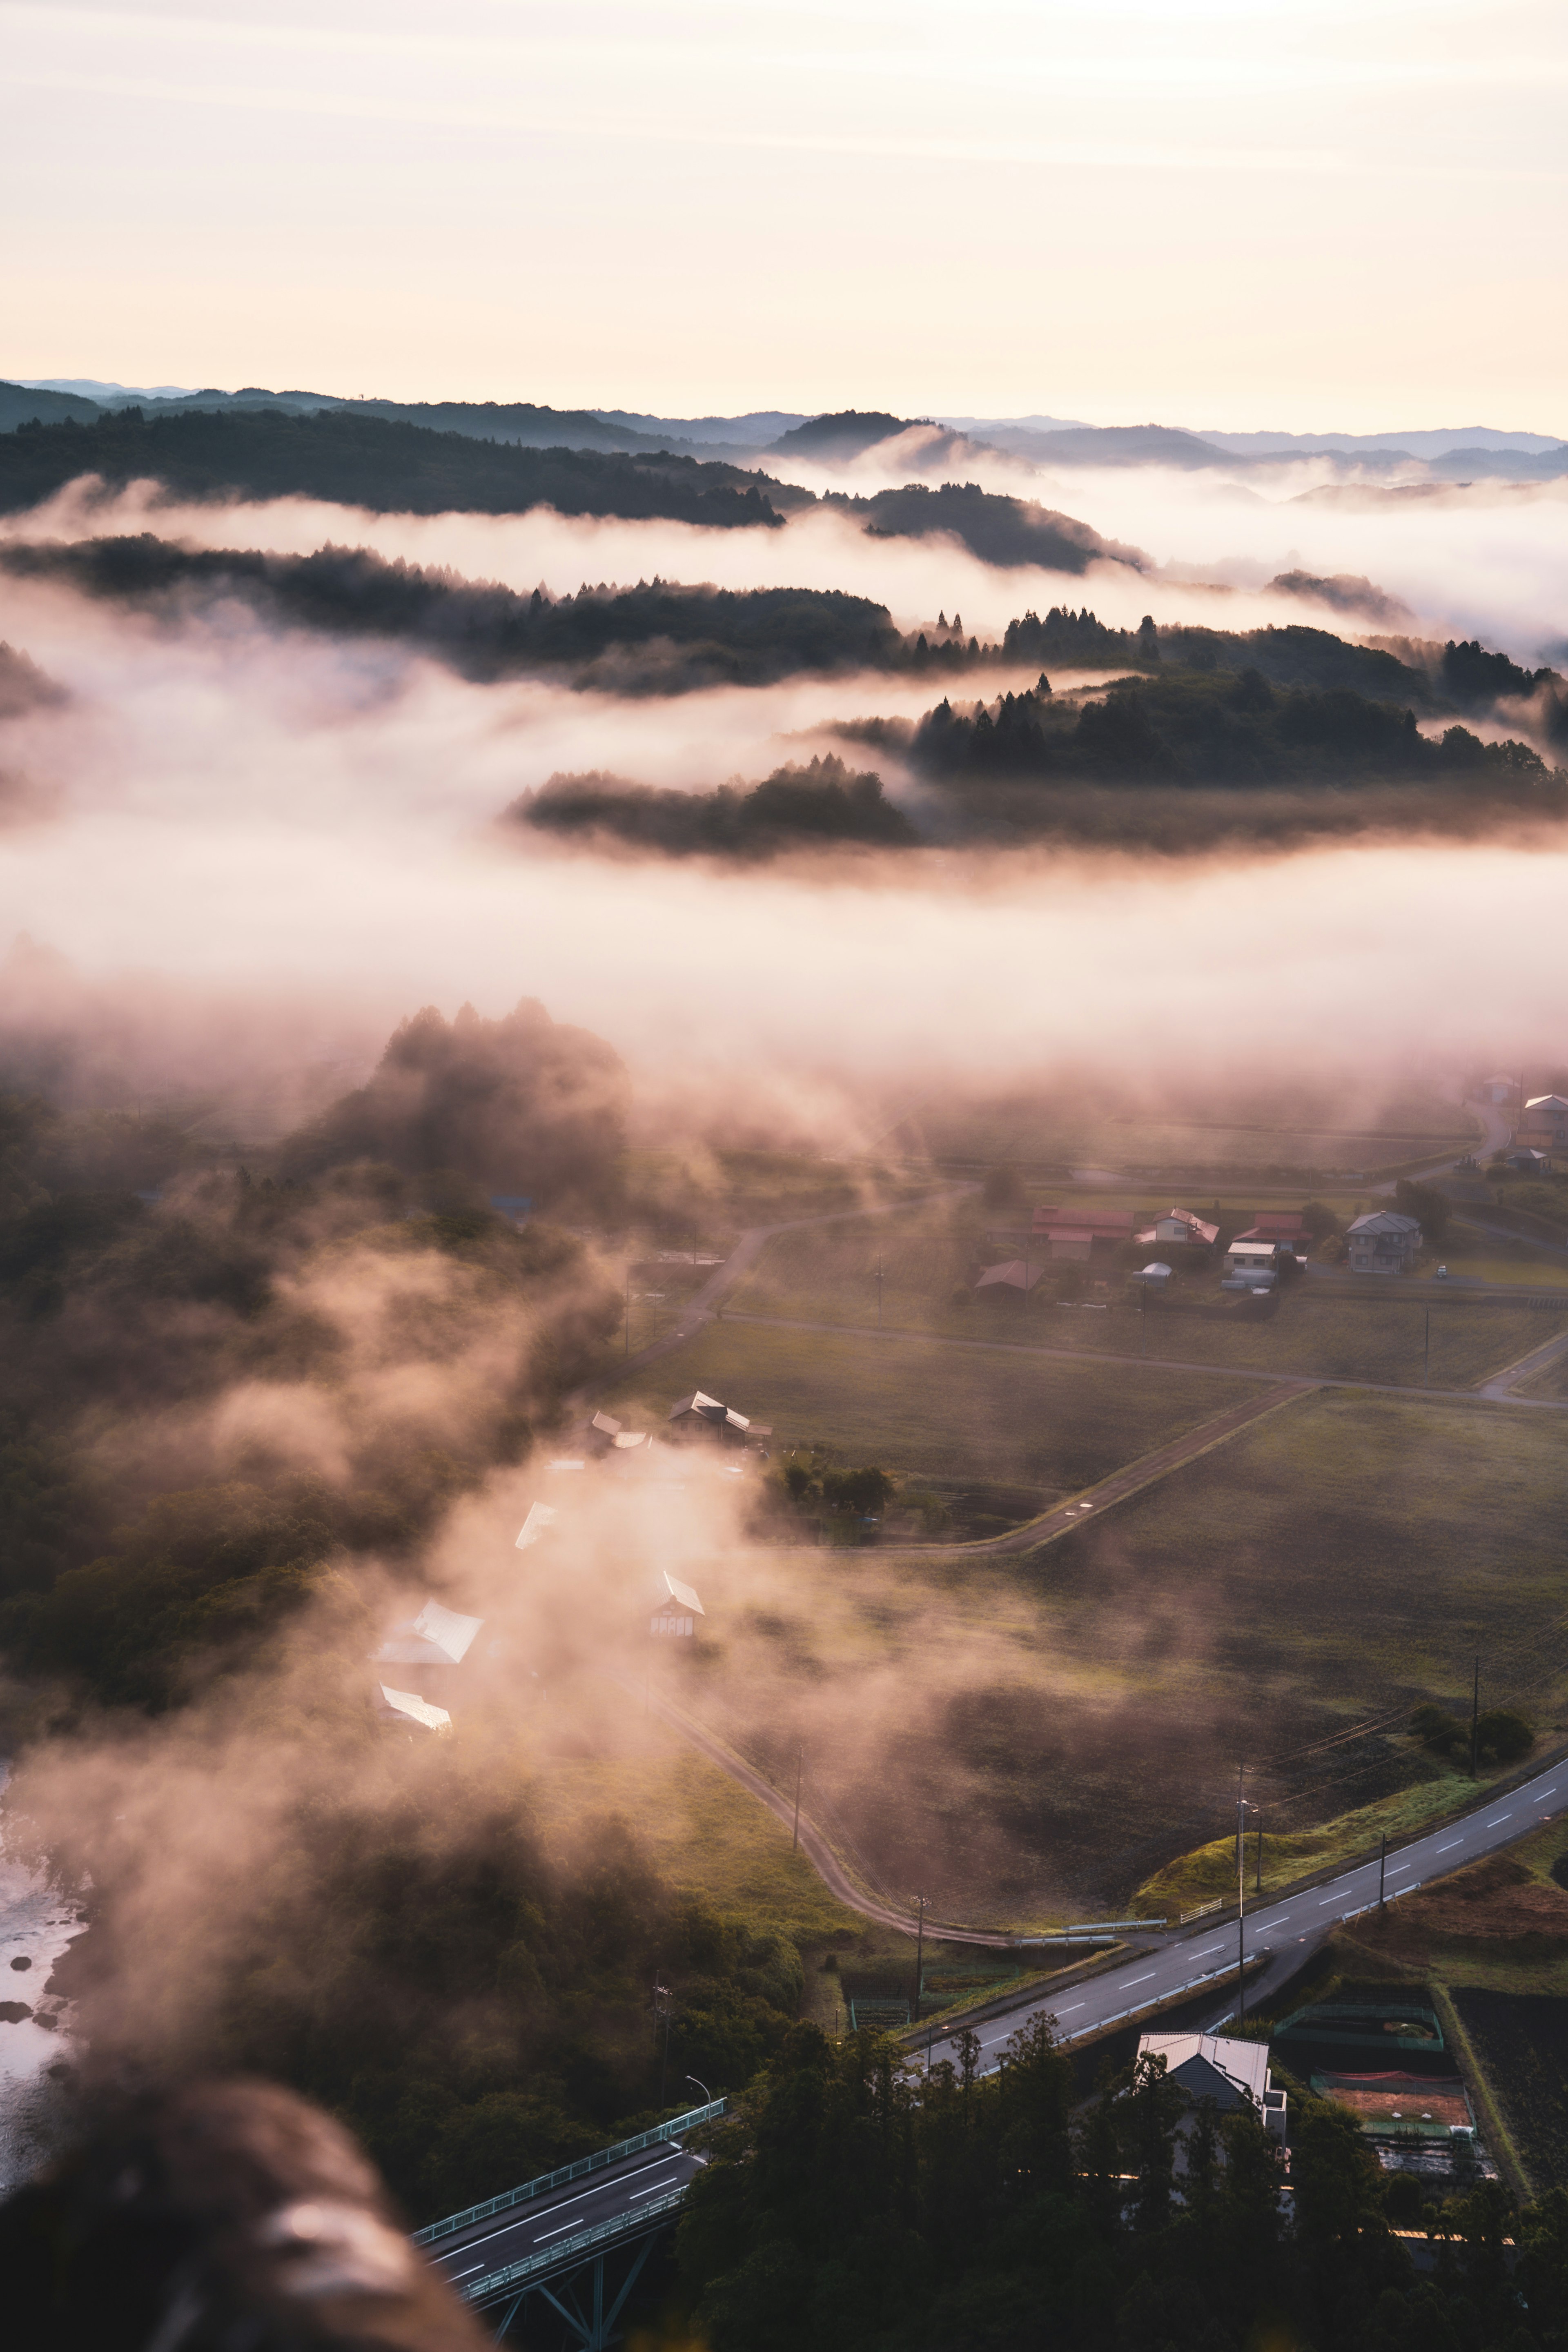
{"x": 1500, "y": 1817}
{"x": 1210, "y": 1947}
{"x": 1071, "y": 2006}
{"x": 519, "y": 2221}
{"x": 1130, "y": 1981}
{"x": 468, "y": 2274}
{"x": 646, "y": 2192}
{"x": 1398, "y": 1867}
{"x": 1451, "y": 1844}
{"x": 1327, "y": 1900}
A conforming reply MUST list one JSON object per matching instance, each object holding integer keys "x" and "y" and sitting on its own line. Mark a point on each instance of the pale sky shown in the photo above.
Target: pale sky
{"x": 1329, "y": 213}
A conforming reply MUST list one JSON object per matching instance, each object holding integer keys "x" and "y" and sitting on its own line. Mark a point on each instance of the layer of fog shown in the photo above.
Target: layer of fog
{"x": 295, "y": 822}
{"x": 1491, "y": 561}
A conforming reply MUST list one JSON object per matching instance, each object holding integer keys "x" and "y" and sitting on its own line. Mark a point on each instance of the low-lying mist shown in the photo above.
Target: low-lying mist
{"x": 308, "y": 827}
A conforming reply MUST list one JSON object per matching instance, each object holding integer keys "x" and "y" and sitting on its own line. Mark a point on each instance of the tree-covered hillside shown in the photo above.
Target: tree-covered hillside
{"x": 389, "y": 466}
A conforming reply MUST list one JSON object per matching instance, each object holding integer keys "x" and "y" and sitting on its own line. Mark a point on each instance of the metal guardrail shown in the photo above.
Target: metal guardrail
{"x": 567, "y": 2252}
{"x": 1082, "y": 1929}
{"x": 578, "y": 2171}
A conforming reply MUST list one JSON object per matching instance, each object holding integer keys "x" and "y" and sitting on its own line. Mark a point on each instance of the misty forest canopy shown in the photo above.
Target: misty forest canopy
{"x": 1198, "y": 727}
{"x": 657, "y": 637}
{"x": 823, "y": 804}
{"x": 372, "y": 462}
{"x": 522, "y": 1105}
{"x": 387, "y": 467}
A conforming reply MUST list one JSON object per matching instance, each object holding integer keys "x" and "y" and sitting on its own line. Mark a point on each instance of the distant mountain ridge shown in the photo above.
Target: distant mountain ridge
{"x": 1456, "y": 454}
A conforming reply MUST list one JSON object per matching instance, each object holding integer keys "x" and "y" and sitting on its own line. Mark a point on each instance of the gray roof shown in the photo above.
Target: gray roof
{"x": 1385, "y": 1220}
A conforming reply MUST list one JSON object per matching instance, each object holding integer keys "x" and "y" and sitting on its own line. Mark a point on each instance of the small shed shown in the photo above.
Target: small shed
{"x": 1077, "y": 1234}
{"x": 1014, "y": 1273}
{"x": 676, "y": 1614}
{"x": 541, "y": 1520}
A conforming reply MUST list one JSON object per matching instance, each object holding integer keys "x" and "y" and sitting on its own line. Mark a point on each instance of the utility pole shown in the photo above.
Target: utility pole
{"x": 1242, "y": 1810}
{"x": 799, "y": 1769}
{"x": 1475, "y": 1717}
{"x": 663, "y": 2010}
{"x": 919, "y": 1962}
{"x": 1257, "y": 1883}
{"x": 1383, "y": 1872}
{"x": 1426, "y": 1353}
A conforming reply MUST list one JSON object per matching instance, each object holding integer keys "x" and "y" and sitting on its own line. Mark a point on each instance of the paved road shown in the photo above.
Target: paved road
{"x": 1287, "y": 1929}
{"x": 473, "y": 2254}
{"x": 1062, "y": 1518}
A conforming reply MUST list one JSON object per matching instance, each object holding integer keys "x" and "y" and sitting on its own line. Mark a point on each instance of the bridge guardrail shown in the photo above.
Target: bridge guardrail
{"x": 433, "y": 2231}
{"x": 567, "y": 2251}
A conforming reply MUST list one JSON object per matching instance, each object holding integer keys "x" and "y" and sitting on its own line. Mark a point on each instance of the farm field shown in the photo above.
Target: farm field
{"x": 1034, "y": 1131}
{"x": 934, "y": 1411}
{"x": 1552, "y": 1381}
{"x": 707, "y": 1837}
{"x": 829, "y": 1276}
{"x": 1032, "y": 1736}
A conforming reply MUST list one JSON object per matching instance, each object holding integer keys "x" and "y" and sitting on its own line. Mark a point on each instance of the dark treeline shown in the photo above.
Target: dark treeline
{"x": 655, "y": 637}
{"x": 1295, "y": 655}
{"x": 1186, "y": 726}
{"x": 139, "y": 1276}
{"x": 354, "y": 458}
{"x": 999, "y": 531}
{"x": 823, "y": 804}
{"x": 472, "y": 1999}
{"x": 411, "y": 1952}
{"x": 858, "y": 2207}
{"x": 375, "y": 462}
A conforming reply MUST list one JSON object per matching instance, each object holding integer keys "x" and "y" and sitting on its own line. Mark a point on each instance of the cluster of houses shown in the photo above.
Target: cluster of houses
{"x": 1383, "y": 1241}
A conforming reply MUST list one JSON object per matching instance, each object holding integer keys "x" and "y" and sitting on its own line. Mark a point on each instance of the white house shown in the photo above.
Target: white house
{"x": 1544, "y": 1126}
{"x": 1382, "y": 1241}
{"x": 1180, "y": 1225}
{"x": 1255, "y": 1259}
{"x": 1218, "y": 2066}
{"x": 677, "y": 1613}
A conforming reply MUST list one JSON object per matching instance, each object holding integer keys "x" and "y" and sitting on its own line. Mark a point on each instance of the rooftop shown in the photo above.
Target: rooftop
{"x": 1244, "y": 2064}
{"x": 1385, "y": 1220}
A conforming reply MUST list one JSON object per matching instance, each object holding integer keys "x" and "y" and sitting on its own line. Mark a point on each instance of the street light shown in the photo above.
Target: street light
{"x": 707, "y": 2093}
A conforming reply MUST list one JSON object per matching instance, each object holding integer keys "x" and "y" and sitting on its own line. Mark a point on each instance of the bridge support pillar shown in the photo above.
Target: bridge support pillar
{"x": 594, "y": 2330}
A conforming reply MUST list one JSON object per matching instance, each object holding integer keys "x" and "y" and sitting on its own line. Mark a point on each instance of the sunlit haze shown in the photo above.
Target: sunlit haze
{"x": 1307, "y": 216}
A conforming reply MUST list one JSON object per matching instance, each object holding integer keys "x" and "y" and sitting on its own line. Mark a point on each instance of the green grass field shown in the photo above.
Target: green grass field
{"x": 933, "y": 1410}
{"x": 1032, "y": 1736}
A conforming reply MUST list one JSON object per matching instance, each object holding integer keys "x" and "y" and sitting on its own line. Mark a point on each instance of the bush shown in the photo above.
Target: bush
{"x": 1502, "y": 1736}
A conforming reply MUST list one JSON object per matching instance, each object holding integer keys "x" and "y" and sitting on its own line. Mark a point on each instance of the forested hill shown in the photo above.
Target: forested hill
{"x": 657, "y": 637}
{"x": 998, "y": 529}
{"x": 378, "y": 463}
{"x": 390, "y": 465}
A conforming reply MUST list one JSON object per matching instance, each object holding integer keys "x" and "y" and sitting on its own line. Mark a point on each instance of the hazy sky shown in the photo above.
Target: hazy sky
{"x": 1326, "y": 213}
